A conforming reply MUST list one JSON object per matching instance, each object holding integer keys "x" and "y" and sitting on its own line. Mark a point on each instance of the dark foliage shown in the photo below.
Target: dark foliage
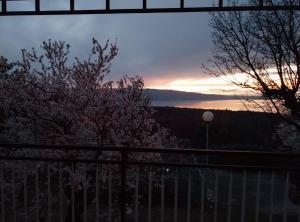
{"x": 240, "y": 130}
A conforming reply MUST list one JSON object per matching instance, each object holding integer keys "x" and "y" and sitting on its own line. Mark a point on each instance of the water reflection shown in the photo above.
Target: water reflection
{"x": 234, "y": 105}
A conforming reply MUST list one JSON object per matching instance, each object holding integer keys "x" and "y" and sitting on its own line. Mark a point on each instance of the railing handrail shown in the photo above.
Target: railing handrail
{"x": 5, "y": 12}
{"x": 157, "y": 164}
{"x": 99, "y": 148}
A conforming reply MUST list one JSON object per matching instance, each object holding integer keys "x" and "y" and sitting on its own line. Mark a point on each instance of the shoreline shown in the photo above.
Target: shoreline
{"x": 216, "y": 104}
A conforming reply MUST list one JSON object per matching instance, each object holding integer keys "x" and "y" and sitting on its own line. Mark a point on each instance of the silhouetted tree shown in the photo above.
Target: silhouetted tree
{"x": 260, "y": 51}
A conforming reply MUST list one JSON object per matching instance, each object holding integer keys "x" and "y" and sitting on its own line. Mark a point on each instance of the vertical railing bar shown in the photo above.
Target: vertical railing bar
{"x": 181, "y": 3}
{"x": 298, "y": 211}
{"x": 216, "y": 196}
{"x": 37, "y": 6}
{"x": 84, "y": 193}
{"x": 272, "y": 197}
{"x": 229, "y": 197}
{"x": 176, "y": 195}
{"x": 60, "y": 194}
{"x": 25, "y": 194}
{"x": 257, "y": 201}
{"x": 49, "y": 192}
{"x": 202, "y": 197}
{"x": 220, "y": 3}
{"x": 162, "y": 201}
{"x": 286, "y": 190}
{"x": 144, "y": 4}
{"x": 189, "y": 197}
{"x": 37, "y": 201}
{"x": 124, "y": 159}
{"x": 14, "y": 195}
{"x": 97, "y": 192}
{"x": 107, "y": 4}
{"x": 4, "y": 6}
{"x": 72, "y": 194}
{"x": 243, "y": 196}
{"x": 136, "y": 214}
{"x": 2, "y": 193}
{"x": 149, "y": 195}
{"x": 109, "y": 194}
{"x": 72, "y": 5}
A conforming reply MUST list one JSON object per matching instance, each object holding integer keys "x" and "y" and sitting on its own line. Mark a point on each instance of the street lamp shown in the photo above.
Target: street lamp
{"x": 207, "y": 117}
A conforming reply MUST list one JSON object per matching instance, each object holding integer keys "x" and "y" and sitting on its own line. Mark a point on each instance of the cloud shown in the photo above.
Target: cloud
{"x": 155, "y": 45}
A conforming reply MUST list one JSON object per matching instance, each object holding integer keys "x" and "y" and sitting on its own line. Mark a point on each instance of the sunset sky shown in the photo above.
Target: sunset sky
{"x": 166, "y": 49}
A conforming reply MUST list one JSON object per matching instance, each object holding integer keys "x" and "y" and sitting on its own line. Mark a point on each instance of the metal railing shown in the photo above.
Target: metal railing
{"x": 143, "y": 7}
{"x": 88, "y": 183}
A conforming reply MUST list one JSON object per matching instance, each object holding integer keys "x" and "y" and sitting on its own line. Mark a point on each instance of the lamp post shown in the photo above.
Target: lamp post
{"x": 207, "y": 117}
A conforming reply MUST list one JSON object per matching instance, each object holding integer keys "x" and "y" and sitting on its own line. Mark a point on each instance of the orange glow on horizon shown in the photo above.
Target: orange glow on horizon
{"x": 209, "y": 85}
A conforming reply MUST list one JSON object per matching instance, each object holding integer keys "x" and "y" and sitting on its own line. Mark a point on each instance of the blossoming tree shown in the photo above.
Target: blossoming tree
{"x": 46, "y": 99}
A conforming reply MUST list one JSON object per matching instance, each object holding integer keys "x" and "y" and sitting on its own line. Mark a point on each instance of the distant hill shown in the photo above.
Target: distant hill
{"x": 161, "y": 94}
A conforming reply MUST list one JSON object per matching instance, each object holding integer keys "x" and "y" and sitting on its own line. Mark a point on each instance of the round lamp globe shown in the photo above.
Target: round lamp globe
{"x": 207, "y": 116}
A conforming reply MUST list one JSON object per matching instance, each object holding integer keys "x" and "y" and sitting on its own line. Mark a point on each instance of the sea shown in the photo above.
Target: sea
{"x": 233, "y": 104}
